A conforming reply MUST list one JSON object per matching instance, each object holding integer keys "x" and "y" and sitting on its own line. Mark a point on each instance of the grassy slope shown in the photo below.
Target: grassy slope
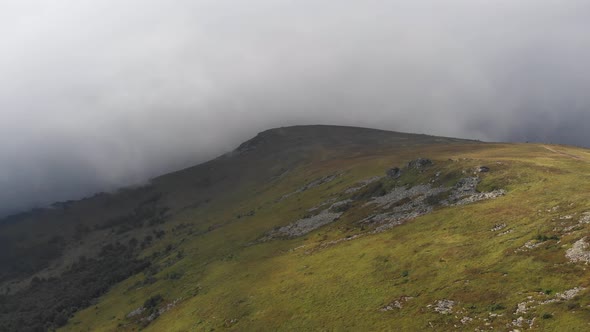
{"x": 229, "y": 283}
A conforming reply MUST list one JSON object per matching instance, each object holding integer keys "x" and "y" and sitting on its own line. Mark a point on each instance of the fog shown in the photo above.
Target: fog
{"x": 95, "y": 95}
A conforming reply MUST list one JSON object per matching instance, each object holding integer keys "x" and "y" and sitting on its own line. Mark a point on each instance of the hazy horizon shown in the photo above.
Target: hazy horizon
{"x": 100, "y": 95}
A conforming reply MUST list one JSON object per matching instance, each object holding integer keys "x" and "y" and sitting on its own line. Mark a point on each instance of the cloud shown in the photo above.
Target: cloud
{"x": 99, "y": 94}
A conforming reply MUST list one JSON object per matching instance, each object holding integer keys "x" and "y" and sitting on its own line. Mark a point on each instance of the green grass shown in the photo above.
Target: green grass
{"x": 229, "y": 282}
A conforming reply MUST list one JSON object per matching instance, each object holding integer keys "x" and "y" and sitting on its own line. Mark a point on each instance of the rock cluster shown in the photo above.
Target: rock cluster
{"x": 476, "y": 197}
{"x": 306, "y": 225}
{"x": 417, "y": 164}
{"x": 498, "y": 227}
{"x": 397, "y": 304}
{"x": 520, "y": 321}
{"x": 444, "y": 306}
{"x": 404, "y": 203}
{"x": 579, "y": 252}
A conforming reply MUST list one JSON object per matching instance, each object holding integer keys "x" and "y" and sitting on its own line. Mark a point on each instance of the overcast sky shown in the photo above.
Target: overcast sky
{"x": 99, "y": 94}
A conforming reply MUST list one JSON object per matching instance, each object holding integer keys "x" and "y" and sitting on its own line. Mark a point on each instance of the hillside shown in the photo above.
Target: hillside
{"x": 316, "y": 228}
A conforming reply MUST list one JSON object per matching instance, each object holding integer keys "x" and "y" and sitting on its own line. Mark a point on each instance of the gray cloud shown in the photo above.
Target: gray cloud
{"x": 99, "y": 94}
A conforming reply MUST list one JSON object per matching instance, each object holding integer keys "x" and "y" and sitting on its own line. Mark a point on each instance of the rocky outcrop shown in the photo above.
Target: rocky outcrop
{"x": 404, "y": 203}
{"x": 304, "y": 226}
{"x": 397, "y": 304}
{"x": 579, "y": 252}
{"x": 419, "y": 163}
{"x": 394, "y": 172}
{"x": 444, "y": 306}
{"x": 465, "y": 192}
{"x": 393, "y": 208}
{"x": 308, "y": 224}
{"x": 416, "y": 164}
{"x": 481, "y": 197}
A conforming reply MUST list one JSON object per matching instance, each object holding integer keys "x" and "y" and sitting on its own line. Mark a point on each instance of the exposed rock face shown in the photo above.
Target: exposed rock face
{"x": 419, "y": 163}
{"x": 306, "y": 225}
{"x": 136, "y": 312}
{"x": 579, "y": 252}
{"x": 481, "y": 197}
{"x": 466, "y": 185}
{"x": 394, "y": 173}
{"x": 444, "y": 307}
{"x": 394, "y": 208}
{"x": 585, "y": 218}
{"x": 465, "y": 192}
{"x": 418, "y": 192}
{"x": 569, "y": 294}
{"x": 403, "y": 203}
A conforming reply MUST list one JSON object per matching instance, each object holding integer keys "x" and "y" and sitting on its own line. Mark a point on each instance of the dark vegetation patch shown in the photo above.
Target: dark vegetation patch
{"x": 375, "y": 189}
{"x": 497, "y": 307}
{"x": 543, "y": 238}
{"x": 437, "y": 199}
{"x": 24, "y": 255}
{"x": 19, "y": 261}
{"x": 48, "y": 303}
{"x": 148, "y": 212}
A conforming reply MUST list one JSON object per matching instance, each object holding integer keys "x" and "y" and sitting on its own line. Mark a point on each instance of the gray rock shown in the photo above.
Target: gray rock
{"x": 136, "y": 312}
{"x": 305, "y": 225}
{"x": 483, "y": 169}
{"x": 481, "y": 197}
{"x": 394, "y": 173}
{"x": 419, "y": 163}
{"x": 444, "y": 307}
{"x": 579, "y": 252}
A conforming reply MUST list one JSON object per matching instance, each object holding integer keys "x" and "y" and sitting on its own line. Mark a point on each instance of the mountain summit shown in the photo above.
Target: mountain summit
{"x": 316, "y": 228}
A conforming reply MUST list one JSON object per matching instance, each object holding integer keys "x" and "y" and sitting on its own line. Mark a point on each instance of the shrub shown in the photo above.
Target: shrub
{"x": 497, "y": 306}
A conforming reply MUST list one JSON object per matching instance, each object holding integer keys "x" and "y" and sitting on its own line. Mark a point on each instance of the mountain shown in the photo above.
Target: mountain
{"x": 316, "y": 228}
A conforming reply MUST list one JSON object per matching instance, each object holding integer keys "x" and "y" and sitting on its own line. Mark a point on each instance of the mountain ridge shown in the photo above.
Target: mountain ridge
{"x": 267, "y": 235}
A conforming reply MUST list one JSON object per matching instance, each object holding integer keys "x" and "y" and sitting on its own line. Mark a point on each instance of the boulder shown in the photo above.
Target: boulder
{"x": 483, "y": 169}
{"x": 394, "y": 173}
